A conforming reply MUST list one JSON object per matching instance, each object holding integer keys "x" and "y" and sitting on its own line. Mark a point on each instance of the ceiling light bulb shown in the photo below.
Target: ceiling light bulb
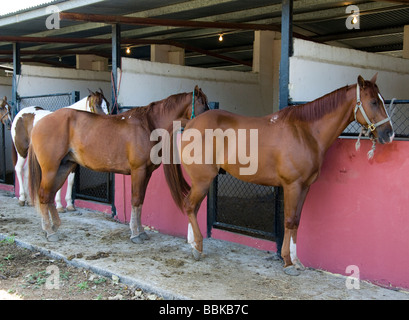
{"x": 354, "y": 20}
{"x": 220, "y": 37}
{"x": 128, "y": 50}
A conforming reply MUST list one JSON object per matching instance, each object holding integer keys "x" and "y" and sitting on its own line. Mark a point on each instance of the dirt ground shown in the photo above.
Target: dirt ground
{"x": 94, "y": 259}
{"x": 30, "y": 275}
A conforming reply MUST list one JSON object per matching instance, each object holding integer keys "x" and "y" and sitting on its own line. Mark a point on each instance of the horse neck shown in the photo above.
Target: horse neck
{"x": 327, "y": 129}
{"x": 161, "y": 114}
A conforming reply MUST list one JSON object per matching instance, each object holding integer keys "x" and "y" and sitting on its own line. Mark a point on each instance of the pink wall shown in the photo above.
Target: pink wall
{"x": 159, "y": 210}
{"x": 357, "y": 213}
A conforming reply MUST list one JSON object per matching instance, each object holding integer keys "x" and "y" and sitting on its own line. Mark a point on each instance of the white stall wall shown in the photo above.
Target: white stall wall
{"x": 35, "y": 80}
{"x": 143, "y": 82}
{"x": 317, "y": 69}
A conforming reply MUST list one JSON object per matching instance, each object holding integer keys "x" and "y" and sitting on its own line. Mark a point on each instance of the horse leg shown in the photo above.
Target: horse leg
{"x": 140, "y": 179}
{"x": 51, "y": 182}
{"x": 192, "y": 205}
{"x": 58, "y": 203}
{"x": 68, "y": 195}
{"x": 19, "y": 168}
{"x": 294, "y": 197}
{"x": 49, "y": 229}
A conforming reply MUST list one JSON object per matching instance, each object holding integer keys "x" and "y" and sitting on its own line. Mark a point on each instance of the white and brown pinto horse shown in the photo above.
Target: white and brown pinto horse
{"x": 68, "y": 137}
{"x": 21, "y": 128}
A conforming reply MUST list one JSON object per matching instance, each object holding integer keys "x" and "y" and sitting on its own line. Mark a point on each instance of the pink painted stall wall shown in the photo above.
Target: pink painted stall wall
{"x": 159, "y": 210}
{"x": 357, "y": 213}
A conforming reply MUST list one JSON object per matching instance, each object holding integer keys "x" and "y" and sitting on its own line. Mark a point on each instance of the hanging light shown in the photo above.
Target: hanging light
{"x": 221, "y": 37}
{"x": 128, "y": 50}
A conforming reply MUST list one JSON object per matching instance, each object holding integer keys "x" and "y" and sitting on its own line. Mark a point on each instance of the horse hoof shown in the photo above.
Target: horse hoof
{"x": 144, "y": 236}
{"x": 52, "y": 237}
{"x": 60, "y": 210}
{"x": 291, "y": 271}
{"x": 71, "y": 208}
{"x": 196, "y": 254}
{"x": 137, "y": 239}
{"x": 21, "y": 203}
{"x": 298, "y": 265}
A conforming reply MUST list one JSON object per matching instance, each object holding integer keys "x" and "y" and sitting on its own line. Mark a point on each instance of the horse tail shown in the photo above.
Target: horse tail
{"x": 13, "y": 153}
{"x": 34, "y": 176}
{"x": 178, "y": 186}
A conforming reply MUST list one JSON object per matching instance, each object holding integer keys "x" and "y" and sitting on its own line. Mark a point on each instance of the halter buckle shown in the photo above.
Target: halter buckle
{"x": 371, "y": 127}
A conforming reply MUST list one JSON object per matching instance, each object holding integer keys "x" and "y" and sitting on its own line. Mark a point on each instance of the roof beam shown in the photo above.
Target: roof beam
{"x": 123, "y": 41}
{"x": 164, "y": 22}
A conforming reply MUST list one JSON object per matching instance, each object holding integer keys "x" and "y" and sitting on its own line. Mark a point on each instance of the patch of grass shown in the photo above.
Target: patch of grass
{"x": 83, "y": 285}
{"x": 8, "y": 240}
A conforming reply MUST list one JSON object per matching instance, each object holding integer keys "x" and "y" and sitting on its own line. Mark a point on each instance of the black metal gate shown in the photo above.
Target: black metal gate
{"x": 89, "y": 185}
{"x": 6, "y": 163}
{"x": 245, "y": 208}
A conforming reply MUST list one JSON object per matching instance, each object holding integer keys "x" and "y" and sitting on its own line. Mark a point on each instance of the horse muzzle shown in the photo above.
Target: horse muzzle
{"x": 386, "y": 136}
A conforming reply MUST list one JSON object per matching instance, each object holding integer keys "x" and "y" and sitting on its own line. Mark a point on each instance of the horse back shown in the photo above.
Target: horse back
{"x": 22, "y": 126}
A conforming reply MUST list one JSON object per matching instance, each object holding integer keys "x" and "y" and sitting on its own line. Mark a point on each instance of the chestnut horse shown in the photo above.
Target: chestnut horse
{"x": 291, "y": 145}
{"x": 68, "y": 137}
{"x": 21, "y": 132}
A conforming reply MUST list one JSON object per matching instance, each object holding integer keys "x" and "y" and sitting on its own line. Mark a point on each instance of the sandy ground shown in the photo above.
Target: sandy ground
{"x": 163, "y": 265}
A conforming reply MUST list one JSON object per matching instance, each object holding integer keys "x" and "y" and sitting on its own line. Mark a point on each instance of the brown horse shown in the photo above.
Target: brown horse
{"x": 68, "y": 137}
{"x": 5, "y": 113}
{"x": 289, "y": 150}
{"x": 20, "y": 135}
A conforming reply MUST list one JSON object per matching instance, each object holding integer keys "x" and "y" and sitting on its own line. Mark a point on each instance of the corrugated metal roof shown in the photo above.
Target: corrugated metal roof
{"x": 381, "y": 27}
{"x": 31, "y": 7}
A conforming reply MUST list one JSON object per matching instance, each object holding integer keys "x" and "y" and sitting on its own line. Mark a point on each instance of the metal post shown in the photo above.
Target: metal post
{"x": 116, "y": 63}
{"x": 286, "y": 51}
{"x": 16, "y": 73}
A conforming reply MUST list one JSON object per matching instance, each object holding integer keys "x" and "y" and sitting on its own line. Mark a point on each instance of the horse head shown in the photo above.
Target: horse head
{"x": 370, "y": 110}
{"x": 5, "y": 113}
{"x": 199, "y": 103}
{"x": 97, "y": 102}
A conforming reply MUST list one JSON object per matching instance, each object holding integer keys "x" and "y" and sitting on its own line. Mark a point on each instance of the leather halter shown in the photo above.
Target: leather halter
{"x": 371, "y": 126}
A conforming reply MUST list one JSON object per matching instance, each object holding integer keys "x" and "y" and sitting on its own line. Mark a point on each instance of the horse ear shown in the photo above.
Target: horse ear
{"x": 361, "y": 82}
{"x": 100, "y": 91}
{"x": 90, "y": 92}
{"x": 373, "y": 80}
{"x": 5, "y": 98}
{"x": 197, "y": 90}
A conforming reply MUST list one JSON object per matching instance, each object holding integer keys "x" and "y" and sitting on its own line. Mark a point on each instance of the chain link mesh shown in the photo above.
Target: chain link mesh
{"x": 245, "y": 207}
{"x": 48, "y": 102}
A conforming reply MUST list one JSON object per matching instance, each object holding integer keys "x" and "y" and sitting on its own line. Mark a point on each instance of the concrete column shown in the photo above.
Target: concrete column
{"x": 266, "y": 59}
{"x": 91, "y": 62}
{"x": 406, "y": 42}
{"x": 167, "y": 54}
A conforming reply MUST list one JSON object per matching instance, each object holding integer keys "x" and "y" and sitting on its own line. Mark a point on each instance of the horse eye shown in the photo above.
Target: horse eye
{"x": 374, "y": 102}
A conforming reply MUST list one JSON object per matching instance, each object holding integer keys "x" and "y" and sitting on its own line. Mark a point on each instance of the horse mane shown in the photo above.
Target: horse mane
{"x": 160, "y": 106}
{"x": 316, "y": 109}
